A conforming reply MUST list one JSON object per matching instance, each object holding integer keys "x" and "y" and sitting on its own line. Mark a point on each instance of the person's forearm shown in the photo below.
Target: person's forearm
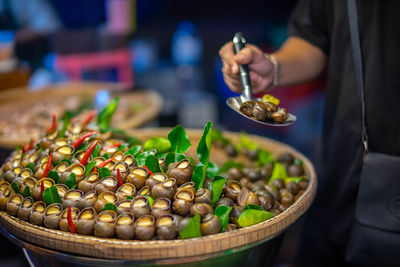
{"x": 299, "y": 61}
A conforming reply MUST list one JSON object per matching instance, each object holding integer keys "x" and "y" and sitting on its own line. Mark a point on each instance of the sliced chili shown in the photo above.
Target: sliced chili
{"x": 53, "y": 125}
{"x": 113, "y": 145}
{"x": 119, "y": 178}
{"x": 148, "y": 170}
{"x": 89, "y": 117}
{"x": 30, "y": 145}
{"x": 48, "y": 166}
{"x": 82, "y": 139}
{"x": 23, "y": 148}
{"x": 71, "y": 224}
{"x": 88, "y": 152}
{"x": 104, "y": 163}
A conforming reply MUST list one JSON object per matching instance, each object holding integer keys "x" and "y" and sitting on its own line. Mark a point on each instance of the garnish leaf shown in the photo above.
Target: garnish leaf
{"x": 15, "y": 187}
{"x": 295, "y": 179}
{"x": 253, "y": 207}
{"x": 66, "y": 120}
{"x": 151, "y": 200}
{"x": 212, "y": 169}
{"x": 223, "y": 213}
{"x": 133, "y": 151}
{"x": 160, "y": 144}
{"x": 67, "y": 161}
{"x": 198, "y": 176}
{"x": 278, "y": 172}
{"x": 89, "y": 167}
{"x": 173, "y": 157}
{"x": 26, "y": 192}
{"x": 50, "y": 195}
{"x": 104, "y": 172}
{"x": 253, "y": 216}
{"x": 71, "y": 181}
{"x": 204, "y": 146}
{"x": 110, "y": 206}
{"x": 264, "y": 157}
{"x": 192, "y": 229}
{"x": 152, "y": 164}
{"x": 217, "y": 186}
{"x": 54, "y": 175}
{"x": 104, "y": 117}
{"x": 129, "y": 197}
{"x": 96, "y": 151}
{"x": 179, "y": 139}
{"x": 298, "y": 161}
{"x": 106, "y": 156}
{"x": 245, "y": 142}
{"x": 218, "y": 136}
{"x": 141, "y": 158}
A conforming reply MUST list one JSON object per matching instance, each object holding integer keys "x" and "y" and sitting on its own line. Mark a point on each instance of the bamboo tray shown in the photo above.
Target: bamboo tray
{"x": 149, "y": 99}
{"x": 189, "y": 249}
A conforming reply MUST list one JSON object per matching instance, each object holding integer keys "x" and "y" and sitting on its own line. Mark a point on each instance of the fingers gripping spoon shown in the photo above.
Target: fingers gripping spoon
{"x": 234, "y": 102}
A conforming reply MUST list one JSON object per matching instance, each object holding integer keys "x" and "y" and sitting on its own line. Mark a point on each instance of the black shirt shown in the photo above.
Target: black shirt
{"x": 324, "y": 23}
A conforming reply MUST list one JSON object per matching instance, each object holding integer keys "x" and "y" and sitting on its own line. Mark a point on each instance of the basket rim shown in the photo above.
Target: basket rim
{"x": 112, "y": 248}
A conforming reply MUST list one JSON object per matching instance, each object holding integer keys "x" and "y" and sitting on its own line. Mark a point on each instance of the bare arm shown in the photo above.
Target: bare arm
{"x": 299, "y": 61}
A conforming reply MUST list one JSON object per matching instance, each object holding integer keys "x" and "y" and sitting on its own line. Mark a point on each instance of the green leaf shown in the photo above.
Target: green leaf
{"x": 26, "y": 192}
{"x": 199, "y": 176}
{"x": 253, "y": 207}
{"x": 218, "y": 136}
{"x": 229, "y": 164}
{"x": 106, "y": 156}
{"x": 264, "y": 157}
{"x": 212, "y": 169}
{"x": 192, "y": 229}
{"x": 179, "y": 139}
{"x": 18, "y": 147}
{"x": 217, "y": 186}
{"x": 71, "y": 181}
{"x": 110, "y": 206}
{"x": 152, "y": 164}
{"x": 204, "y": 146}
{"x": 151, "y": 200}
{"x": 298, "y": 161}
{"x": 223, "y": 213}
{"x": 66, "y": 120}
{"x": 79, "y": 149}
{"x": 31, "y": 166}
{"x": 173, "y": 157}
{"x": 252, "y": 216}
{"x": 160, "y": 144}
{"x": 104, "y": 117}
{"x": 133, "y": 141}
{"x": 245, "y": 142}
{"x": 15, "y": 187}
{"x": 54, "y": 175}
{"x": 73, "y": 187}
{"x": 122, "y": 147}
{"x": 67, "y": 161}
{"x": 141, "y": 158}
{"x": 129, "y": 197}
{"x": 96, "y": 151}
{"x": 38, "y": 146}
{"x": 133, "y": 151}
{"x": 50, "y": 195}
{"x": 89, "y": 167}
{"x": 278, "y": 172}
{"x": 104, "y": 172}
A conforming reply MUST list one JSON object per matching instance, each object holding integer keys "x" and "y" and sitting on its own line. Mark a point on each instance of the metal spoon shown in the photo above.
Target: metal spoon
{"x": 234, "y": 102}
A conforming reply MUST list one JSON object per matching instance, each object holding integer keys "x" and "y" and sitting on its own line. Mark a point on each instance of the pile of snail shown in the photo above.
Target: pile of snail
{"x": 265, "y": 109}
{"x": 149, "y": 206}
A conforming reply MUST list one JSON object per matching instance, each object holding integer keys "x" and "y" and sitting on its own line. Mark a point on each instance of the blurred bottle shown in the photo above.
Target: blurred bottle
{"x": 187, "y": 47}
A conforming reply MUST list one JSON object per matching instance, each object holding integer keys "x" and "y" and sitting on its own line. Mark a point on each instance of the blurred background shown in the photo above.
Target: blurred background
{"x": 169, "y": 46}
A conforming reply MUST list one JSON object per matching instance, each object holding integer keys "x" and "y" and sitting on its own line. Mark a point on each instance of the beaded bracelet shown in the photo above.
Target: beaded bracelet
{"x": 275, "y": 74}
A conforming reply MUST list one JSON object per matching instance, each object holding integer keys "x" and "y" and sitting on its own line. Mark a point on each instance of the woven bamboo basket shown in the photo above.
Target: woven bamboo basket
{"x": 150, "y": 100}
{"x": 183, "y": 250}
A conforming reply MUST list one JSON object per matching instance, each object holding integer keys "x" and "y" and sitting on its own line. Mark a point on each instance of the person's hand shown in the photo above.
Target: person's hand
{"x": 261, "y": 69}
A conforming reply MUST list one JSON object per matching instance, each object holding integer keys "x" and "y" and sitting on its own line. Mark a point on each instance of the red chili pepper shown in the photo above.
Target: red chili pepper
{"x": 82, "y": 139}
{"x": 119, "y": 178}
{"x": 71, "y": 224}
{"x": 53, "y": 125}
{"x": 150, "y": 172}
{"x": 30, "y": 145}
{"x": 104, "y": 163}
{"x": 41, "y": 190}
{"x": 48, "y": 166}
{"x": 88, "y": 152}
{"x": 113, "y": 145}
{"x": 89, "y": 117}
{"x": 23, "y": 148}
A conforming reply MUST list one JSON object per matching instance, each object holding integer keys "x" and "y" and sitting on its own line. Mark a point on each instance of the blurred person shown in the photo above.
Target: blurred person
{"x": 33, "y": 21}
{"x": 319, "y": 38}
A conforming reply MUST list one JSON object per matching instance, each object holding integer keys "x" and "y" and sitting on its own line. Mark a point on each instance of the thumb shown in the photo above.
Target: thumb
{"x": 249, "y": 54}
